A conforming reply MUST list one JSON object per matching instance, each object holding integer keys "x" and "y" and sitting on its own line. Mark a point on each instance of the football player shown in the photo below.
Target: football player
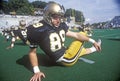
{"x": 13, "y": 34}
{"x": 89, "y": 31}
{"x": 18, "y": 33}
{"x": 50, "y": 34}
{"x": 22, "y": 31}
{"x": 86, "y": 29}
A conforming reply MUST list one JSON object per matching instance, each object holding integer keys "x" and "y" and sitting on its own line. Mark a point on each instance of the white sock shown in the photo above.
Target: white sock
{"x": 99, "y": 41}
{"x": 12, "y": 45}
{"x": 93, "y": 49}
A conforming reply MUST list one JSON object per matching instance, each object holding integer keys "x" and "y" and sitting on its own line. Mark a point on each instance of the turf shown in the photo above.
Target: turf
{"x": 15, "y": 65}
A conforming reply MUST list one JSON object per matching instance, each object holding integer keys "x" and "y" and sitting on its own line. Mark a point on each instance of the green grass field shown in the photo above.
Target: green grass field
{"x": 15, "y": 66}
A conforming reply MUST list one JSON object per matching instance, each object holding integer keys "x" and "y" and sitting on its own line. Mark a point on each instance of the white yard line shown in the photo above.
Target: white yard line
{"x": 87, "y": 60}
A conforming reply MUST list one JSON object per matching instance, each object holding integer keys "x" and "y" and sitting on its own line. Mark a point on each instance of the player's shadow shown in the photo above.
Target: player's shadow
{"x": 114, "y": 39}
{"x": 43, "y": 60}
{"x": 118, "y": 79}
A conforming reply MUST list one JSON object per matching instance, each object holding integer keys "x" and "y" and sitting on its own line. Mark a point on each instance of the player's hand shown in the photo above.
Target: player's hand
{"x": 97, "y": 46}
{"x": 37, "y": 76}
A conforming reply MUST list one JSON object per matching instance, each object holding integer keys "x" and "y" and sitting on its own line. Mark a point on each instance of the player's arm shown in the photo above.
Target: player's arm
{"x": 77, "y": 36}
{"x": 34, "y": 62}
{"x": 82, "y": 37}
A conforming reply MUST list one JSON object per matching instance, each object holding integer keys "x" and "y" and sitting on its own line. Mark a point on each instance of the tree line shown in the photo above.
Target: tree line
{"x": 24, "y": 7}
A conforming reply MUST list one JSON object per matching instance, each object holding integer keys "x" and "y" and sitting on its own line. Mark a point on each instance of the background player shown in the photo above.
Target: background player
{"x": 18, "y": 32}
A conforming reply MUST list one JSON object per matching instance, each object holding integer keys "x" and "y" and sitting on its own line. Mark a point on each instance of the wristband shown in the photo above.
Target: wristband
{"x": 36, "y": 69}
{"x": 91, "y": 40}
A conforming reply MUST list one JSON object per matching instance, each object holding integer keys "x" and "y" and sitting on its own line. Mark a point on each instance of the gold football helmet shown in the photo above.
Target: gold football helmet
{"x": 22, "y": 24}
{"x": 52, "y": 9}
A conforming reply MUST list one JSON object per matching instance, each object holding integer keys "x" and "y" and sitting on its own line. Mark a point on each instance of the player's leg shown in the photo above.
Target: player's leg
{"x": 7, "y": 37}
{"x": 93, "y": 49}
{"x": 72, "y": 53}
{"x": 12, "y": 43}
{"x": 6, "y": 34}
{"x": 90, "y": 50}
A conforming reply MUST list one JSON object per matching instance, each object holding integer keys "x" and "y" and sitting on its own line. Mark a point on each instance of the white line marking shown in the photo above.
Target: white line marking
{"x": 87, "y": 60}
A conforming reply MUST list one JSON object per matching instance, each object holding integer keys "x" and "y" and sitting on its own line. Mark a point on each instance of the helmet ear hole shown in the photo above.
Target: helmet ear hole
{"x": 51, "y": 9}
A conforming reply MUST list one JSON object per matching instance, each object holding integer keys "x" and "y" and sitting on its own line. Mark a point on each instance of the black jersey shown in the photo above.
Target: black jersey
{"x": 50, "y": 39}
{"x": 21, "y": 33}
